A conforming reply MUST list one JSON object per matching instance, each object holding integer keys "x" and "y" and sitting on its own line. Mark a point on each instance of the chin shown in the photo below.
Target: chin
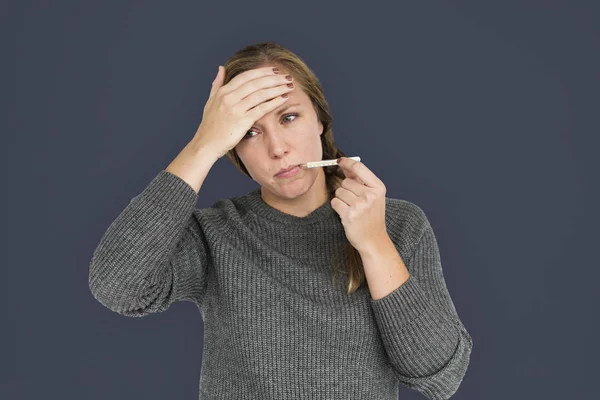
{"x": 290, "y": 190}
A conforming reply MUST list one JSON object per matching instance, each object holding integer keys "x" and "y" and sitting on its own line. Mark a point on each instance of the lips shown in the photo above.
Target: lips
{"x": 286, "y": 169}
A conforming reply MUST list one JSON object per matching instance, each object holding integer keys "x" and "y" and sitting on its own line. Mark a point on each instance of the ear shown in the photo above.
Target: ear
{"x": 320, "y": 128}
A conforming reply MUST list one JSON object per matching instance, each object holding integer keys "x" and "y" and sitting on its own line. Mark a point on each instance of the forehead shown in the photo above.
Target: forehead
{"x": 296, "y": 100}
{"x": 297, "y": 95}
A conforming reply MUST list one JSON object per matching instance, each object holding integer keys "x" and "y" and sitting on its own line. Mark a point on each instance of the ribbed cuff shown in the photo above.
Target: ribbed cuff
{"x": 419, "y": 339}
{"x": 402, "y": 306}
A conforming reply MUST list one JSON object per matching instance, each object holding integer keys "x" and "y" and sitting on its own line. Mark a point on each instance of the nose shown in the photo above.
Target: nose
{"x": 276, "y": 144}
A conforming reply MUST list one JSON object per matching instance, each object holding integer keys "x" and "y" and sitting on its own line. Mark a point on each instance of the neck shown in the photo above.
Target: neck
{"x": 304, "y": 204}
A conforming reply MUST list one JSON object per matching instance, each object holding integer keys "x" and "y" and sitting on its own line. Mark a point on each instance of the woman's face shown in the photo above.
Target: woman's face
{"x": 287, "y": 135}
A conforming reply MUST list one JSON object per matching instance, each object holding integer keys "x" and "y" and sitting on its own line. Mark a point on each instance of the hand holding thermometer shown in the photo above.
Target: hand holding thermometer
{"x": 324, "y": 163}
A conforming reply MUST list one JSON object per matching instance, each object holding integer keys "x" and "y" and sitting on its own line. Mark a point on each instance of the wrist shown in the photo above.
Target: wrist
{"x": 376, "y": 246}
{"x": 199, "y": 146}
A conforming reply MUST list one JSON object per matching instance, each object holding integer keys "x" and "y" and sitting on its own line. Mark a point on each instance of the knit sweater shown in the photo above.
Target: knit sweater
{"x": 276, "y": 324}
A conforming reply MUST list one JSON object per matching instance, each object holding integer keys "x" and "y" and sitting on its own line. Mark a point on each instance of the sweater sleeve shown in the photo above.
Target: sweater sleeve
{"x": 426, "y": 342}
{"x": 153, "y": 254}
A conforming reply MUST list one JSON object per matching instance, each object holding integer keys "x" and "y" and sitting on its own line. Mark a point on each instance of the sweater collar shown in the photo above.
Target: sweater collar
{"x": 312, "y": 240}
{"x": 258, "y": 206}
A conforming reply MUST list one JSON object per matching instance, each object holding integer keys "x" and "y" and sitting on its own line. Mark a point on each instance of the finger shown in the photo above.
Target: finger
{"x": 247, "y": 76}
{"x": 359, "y": 171}
{"x": 355, "y": 185}
{"x": 340, "y": 207}
{"x": 217, "y": 83}
{"x": 347, "y": 196}
{"x": 350, "y": 173}
{"x": 252, "y": 97}
{"x": 266, "y": 107}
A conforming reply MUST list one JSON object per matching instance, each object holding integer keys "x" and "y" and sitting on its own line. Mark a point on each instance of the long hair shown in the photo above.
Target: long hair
{"x": 269, "y": 53}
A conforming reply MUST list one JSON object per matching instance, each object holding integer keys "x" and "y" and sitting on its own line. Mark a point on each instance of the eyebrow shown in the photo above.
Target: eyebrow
{"x": 281, "y": 110}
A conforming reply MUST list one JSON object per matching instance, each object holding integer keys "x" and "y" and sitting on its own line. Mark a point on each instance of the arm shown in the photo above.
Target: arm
{"x": 428, "y": 346}
{"x": 155, "y": 253}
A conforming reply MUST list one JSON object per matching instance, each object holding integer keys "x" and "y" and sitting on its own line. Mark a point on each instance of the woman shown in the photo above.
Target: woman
{"x": 313, "y": 286}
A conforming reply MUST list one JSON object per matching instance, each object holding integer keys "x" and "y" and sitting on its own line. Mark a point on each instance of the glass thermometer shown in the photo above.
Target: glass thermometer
{"x": 324, "y": 163}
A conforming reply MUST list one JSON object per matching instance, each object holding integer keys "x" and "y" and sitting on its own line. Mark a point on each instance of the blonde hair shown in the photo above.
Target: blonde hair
{"x": 268, "y": 53}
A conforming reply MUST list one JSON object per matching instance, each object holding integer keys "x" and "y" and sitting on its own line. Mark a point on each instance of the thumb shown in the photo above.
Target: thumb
{"x": 218, "y": 82}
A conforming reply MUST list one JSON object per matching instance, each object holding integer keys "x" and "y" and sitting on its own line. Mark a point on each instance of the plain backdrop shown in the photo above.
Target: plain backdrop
{"x": 485, "y": 114}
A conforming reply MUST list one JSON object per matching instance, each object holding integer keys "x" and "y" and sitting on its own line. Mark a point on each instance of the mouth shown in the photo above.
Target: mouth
{"x": 288, "y": 171}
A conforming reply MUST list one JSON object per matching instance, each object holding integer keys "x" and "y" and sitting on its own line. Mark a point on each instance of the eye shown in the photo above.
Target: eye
{"x": 283, "y": 118}
{"x": 290, "y": 115}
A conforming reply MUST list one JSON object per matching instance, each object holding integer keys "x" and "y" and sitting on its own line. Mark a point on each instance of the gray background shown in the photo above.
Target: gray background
{"x": 485, "y": 114}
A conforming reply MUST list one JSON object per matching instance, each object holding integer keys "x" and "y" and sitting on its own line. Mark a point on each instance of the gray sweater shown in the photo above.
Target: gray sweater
{"x": 277, "y": 325}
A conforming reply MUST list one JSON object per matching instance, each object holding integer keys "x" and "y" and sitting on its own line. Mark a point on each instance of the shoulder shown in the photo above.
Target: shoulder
{"x": 220, "y": 210}
{"x": 405, "y": 222}
{"x": 225, "y": 211}
{"x": 218, "y": 219}
{"x": 401, "y": 211}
